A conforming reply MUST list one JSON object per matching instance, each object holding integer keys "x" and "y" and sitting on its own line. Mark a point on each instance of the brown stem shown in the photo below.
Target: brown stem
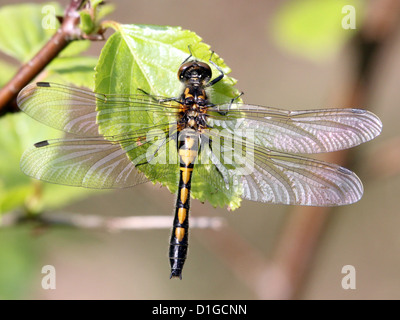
{"x": 111, "y": 224}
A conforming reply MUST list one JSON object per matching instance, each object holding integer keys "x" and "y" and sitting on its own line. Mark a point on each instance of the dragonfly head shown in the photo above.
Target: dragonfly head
{"x": 194, "y": 73}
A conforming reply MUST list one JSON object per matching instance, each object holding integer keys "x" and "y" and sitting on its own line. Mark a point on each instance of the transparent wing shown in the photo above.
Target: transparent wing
{"x": 276, "y": 177}
{"x": 308, "y": 131}
{"x": 287, "y": 179}
{"x": 81, "y": 112}
{"x": 94, "y": 162}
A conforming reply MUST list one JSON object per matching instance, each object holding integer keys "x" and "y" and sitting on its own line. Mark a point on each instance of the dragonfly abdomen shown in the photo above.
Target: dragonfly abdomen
{"x": 187, "y": 150}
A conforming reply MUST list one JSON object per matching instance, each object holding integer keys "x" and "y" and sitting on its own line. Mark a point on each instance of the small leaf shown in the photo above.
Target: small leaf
{"x": 104, "y": 10}
{"x": 87, "y": 24}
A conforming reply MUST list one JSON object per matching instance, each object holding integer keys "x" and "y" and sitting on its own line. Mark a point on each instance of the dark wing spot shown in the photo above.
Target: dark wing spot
{"x": 344, "y": 170}
{"x": 43, "y": 84}
{"x": 359, "y": 111}
{"x": 41, "y": 144}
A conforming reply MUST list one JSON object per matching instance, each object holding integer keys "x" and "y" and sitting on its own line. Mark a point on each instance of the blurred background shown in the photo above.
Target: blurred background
{"x": 286, "y": 54}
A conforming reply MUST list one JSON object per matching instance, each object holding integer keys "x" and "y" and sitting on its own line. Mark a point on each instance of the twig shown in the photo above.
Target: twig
{"x": 113, "y": 224}
{"x": 68, "y": 32}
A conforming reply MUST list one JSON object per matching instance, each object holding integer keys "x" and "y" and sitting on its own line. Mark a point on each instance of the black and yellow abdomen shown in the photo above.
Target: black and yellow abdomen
{"x": 188, "y": 147}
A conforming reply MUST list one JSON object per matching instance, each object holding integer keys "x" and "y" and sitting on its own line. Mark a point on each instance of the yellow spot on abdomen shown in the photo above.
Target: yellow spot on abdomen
{"x": 179, "y": 233}
{"x": 186, "y": 173}
{"x": 187, "y": 156}
{"x": 184, "y": 195}
{"x": 181, "y": 215}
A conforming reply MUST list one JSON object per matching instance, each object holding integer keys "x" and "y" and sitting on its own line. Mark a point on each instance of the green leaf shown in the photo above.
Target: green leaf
{"x": 91, "y": 18}
{"x": 22, "y": 33}
{"x": 74, "y": 48}
{"x": 95, "y": 3}
{"x": 148, "y": 58}
{"x": 313, "y": 28}
{"x": 87, "y": 24}
{"x": 101, "y": 10}
{"x": 76, "y": 70}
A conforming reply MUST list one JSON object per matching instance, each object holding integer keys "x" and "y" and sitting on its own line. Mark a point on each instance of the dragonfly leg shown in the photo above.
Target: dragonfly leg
{"x": 224, "y": 113}
{"x": 235, "y": 98}
{"x": 159, "y": 100}
{"x": 220, "y": 77}
{"x": 218, "y": 165}
{"x": 190, "y": 51}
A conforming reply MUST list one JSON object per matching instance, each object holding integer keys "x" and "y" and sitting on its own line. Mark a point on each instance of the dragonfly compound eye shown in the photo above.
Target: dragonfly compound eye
{"x": 194, "y": 69}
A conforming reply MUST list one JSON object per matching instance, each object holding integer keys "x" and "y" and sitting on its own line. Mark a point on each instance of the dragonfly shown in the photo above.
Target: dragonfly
{"x": 255, "y": 151}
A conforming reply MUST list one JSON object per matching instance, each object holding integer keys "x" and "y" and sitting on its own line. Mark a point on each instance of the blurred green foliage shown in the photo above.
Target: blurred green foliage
{"x": 19, "y": 257}
{"x": 313, "y": 28}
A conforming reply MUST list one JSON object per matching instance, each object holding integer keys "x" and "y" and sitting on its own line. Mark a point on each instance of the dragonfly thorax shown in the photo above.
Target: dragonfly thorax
{"x": 194, "y": 106}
